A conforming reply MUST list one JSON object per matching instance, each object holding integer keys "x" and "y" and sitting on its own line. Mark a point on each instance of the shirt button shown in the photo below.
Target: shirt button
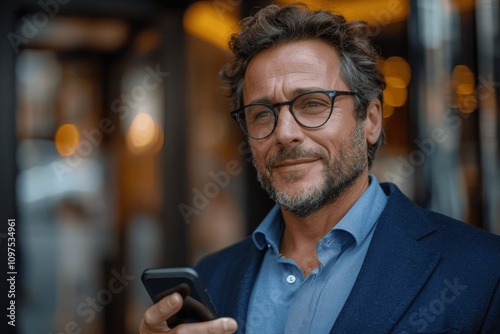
{"x": 291, "y": 279}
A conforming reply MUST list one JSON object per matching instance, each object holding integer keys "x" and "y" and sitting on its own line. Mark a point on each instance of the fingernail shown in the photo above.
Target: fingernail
{"x": 229, "y": 324}
{"x": 174, "y": 299}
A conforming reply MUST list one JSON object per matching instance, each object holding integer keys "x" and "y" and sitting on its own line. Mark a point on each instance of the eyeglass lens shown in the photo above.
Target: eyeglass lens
{"x": 310, "y": 110}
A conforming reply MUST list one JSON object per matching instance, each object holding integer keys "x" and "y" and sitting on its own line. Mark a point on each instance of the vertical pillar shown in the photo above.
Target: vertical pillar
{"x": 433, "y": 30}
{"x": 488, "y": 93}
{"x": 172, "y": 60}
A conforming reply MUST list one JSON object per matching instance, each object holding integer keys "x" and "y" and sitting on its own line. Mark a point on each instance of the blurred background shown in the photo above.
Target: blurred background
{"x": 118, "y": 152}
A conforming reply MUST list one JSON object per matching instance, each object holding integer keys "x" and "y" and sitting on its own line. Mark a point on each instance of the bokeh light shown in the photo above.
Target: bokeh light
{"x": 67, "y": 139}
{"x": 144, "y": 135}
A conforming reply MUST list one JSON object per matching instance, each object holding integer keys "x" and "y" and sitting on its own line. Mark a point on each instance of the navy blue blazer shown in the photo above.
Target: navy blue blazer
{"x": 423, "y": 273}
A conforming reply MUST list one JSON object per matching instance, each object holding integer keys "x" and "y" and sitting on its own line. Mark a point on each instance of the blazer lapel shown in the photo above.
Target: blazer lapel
{"x": 394, "y": 270}
{"x": 244, "y": 272}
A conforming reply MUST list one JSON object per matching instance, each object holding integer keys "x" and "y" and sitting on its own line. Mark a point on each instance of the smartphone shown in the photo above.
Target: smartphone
{"x": 197, "y": 306}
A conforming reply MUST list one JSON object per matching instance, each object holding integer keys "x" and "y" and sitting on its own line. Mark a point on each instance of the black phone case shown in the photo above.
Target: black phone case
{"x": 160, "y": 282}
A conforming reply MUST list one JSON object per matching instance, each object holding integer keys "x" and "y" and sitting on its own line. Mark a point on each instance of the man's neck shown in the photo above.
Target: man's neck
{"x": 302, "y": 234}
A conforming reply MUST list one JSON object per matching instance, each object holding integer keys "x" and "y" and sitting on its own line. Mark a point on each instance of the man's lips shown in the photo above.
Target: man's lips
{"x": 294, "y": 162}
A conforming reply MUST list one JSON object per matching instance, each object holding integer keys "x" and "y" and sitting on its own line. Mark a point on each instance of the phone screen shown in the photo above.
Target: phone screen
{"x": 197, "y": 306}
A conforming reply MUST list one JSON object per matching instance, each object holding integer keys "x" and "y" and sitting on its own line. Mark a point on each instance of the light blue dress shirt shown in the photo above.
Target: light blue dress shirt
{"x": 282, "y": 301}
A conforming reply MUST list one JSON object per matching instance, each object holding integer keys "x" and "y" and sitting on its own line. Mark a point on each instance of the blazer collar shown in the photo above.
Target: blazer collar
{"x": 394, "y": 270}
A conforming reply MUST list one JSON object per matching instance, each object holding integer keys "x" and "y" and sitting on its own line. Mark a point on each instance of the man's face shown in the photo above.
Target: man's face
{"x": 304, "y": 169}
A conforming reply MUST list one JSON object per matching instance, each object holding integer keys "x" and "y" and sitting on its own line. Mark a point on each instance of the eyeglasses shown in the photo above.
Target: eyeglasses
{"x": 310, "y": 110}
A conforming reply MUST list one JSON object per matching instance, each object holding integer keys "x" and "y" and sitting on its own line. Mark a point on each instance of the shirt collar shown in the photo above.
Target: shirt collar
{"x": 268, "y": 233}
{"x": 363, "y": 215}
{"x": 358, "y": 221}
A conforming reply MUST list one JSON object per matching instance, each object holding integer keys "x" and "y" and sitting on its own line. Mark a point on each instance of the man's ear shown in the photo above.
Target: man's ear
{"x": 372, "y": 124}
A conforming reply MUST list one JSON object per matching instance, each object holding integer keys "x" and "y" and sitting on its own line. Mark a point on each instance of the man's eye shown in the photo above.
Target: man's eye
{"x": 260, "y": 114}
{"x": 263, "y": 114}
{"x": 313, "y": 104}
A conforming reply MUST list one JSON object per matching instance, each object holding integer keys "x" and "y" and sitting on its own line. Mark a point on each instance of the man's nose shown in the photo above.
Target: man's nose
{"x": 287, "y": 129}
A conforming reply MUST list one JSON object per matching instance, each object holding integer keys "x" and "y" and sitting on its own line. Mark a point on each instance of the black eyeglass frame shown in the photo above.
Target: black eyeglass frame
{"x": 332, "y": 94}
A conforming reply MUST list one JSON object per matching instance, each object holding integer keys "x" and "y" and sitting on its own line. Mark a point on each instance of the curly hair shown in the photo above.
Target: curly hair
{"x": 275, "y": 25}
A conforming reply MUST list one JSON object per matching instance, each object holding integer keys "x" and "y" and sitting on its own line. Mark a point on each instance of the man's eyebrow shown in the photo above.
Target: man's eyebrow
{"x": 294, "y": 93}
{"x": 299, "y": 91}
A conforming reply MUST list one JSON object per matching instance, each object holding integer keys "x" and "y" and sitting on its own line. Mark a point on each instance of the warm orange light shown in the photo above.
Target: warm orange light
{"x": 377, "y": 13}
{"x": 397, "y": 71}
{"x": 158, "y": 143}
{"x": 465, "y": 5}
{"x": 147, "y": 40}
{"x": 464, "y": 85}
{"x": 388, "y": 110}
{"x": 395, "y": 81}
{"x": 67, "y": 139}
{"x": 394, "y": 96}
{"x": 211, "y": 22}
{"x": 467, "y": 103}
{"x": 463, "y": 80}
{"x": 144, "y": 135}
{"x": 397, "y": 75}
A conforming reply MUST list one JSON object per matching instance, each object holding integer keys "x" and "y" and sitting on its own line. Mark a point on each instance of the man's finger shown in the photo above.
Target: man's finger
{"x": 217, "y": 326}
{"x": 155, "y": 317}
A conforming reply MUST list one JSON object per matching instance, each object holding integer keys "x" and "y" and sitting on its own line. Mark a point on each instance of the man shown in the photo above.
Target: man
{"x": 339, "y": 253}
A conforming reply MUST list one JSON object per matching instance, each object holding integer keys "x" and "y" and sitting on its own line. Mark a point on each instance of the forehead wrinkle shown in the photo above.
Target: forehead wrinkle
{"x": 279, "y": 72}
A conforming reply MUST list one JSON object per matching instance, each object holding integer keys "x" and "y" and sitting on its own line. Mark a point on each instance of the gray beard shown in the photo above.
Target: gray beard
{"x": 338, "y": 176}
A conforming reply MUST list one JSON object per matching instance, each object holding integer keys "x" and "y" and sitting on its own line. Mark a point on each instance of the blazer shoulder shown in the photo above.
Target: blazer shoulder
{"x": 440, "y": 232}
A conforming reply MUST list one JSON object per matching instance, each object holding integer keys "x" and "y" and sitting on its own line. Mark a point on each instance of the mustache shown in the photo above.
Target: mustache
{"x": 292, "y": 154}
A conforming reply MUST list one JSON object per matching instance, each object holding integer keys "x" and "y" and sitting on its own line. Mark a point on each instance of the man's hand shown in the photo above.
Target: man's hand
{"x": 154, "y": 320}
